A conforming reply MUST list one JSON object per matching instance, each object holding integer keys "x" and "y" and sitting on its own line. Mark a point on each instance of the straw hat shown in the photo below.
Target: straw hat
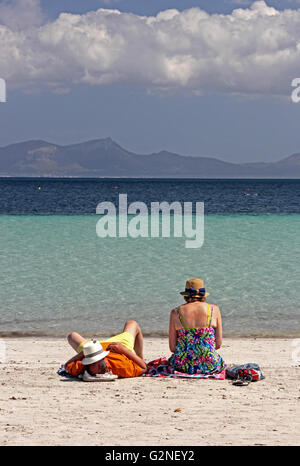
{"x": 195, "y": 287}
{"x": 93, "y": 352}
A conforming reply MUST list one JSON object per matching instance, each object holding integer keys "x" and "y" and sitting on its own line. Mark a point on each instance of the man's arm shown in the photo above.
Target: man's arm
{"x": 77, "y": 357}
{"x": 117, "y": 347}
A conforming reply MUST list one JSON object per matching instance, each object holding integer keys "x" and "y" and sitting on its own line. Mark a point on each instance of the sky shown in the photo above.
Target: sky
{"x": 202, "y": 78}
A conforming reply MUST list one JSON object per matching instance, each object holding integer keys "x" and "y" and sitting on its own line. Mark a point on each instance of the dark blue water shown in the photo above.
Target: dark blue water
{"x": 81, "y": 196}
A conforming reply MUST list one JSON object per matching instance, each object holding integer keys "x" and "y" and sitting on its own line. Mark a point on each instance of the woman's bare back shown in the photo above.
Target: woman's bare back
{"x": 194, "y": 315}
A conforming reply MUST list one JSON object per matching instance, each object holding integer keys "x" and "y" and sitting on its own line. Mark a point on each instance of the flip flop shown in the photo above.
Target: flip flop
{"x": 240, "y": 382}
{"x": 243, "y": 379}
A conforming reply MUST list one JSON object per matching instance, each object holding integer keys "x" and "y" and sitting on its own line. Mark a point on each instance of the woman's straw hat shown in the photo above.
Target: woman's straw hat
{"x": 195, "y": 288}
{"x": 93, "y": 352}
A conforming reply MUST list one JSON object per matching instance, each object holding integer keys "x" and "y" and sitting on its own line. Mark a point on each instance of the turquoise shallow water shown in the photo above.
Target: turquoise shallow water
{"x": 57, "y": 275}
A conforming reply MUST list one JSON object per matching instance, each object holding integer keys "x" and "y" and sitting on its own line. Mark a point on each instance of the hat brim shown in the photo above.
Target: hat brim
{"x": 184, "y": 293}
{"x": 98, "y": 357}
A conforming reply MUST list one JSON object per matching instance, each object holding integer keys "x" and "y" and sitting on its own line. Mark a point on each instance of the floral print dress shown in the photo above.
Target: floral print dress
{"x": 195, "y": 351}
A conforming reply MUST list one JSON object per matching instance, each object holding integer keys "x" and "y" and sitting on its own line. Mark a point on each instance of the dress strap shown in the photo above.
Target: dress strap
{"x": 209, "y": 315}
{"x": 180, "y": 317}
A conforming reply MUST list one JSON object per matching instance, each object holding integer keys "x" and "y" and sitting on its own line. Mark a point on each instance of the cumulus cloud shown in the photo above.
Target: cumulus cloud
{"x": 253, "y": 50}
{"x": 20, "y": 14}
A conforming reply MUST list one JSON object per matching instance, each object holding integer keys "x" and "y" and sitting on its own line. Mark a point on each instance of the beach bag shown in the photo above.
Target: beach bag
{"x": 244, "y": 373}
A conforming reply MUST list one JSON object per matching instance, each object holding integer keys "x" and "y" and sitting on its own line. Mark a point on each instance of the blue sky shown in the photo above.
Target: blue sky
{"x": 186, "y": 81}
{"x": 152, "y": 7}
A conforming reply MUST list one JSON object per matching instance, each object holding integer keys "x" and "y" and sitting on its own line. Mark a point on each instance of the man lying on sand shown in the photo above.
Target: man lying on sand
{"x": 122, "y": 354}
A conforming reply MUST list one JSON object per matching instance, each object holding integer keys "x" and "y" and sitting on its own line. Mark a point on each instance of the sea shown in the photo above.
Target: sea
{"x": 58, "y": 275}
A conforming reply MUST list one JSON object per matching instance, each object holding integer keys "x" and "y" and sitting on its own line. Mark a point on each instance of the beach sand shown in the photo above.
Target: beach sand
{"x": 38, "y": 407}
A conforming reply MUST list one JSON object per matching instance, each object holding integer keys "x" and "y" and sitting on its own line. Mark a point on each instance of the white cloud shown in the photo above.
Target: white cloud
{"x": 253, "y": 50}
{"x": 20, "y": 14}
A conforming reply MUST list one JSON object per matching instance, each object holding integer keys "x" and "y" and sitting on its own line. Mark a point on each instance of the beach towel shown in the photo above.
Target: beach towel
{"x": 160, "y": 368}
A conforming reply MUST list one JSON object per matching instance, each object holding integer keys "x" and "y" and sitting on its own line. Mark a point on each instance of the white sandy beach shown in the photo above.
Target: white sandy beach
{"x": 37, "y": 407}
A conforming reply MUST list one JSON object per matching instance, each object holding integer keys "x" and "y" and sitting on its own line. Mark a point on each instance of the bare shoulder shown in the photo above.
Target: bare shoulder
{"x": 174, "y": 311}
{"x": 216, "y": 309}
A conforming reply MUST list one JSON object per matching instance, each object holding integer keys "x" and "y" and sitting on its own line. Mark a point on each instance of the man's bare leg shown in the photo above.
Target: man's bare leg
{"x": 75, "y": 339}
{"x": 133, "y": 327}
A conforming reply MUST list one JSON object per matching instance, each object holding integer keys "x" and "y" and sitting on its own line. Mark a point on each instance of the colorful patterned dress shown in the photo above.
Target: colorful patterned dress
{"x": 195, "y": 351}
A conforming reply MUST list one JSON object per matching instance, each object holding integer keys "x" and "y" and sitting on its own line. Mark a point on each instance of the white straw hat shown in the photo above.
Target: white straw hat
{"x": 93, "y": 352}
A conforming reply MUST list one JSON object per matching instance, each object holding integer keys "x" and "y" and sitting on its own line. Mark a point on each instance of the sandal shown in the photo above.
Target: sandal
{"x": 243, "y": 378}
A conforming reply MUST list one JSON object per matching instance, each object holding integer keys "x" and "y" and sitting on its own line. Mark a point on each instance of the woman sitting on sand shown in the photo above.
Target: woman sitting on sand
{"x": 195, "y": 332}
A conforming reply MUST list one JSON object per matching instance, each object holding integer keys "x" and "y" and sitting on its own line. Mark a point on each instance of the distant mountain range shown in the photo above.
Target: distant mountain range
{"x": 106, "y": 158}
